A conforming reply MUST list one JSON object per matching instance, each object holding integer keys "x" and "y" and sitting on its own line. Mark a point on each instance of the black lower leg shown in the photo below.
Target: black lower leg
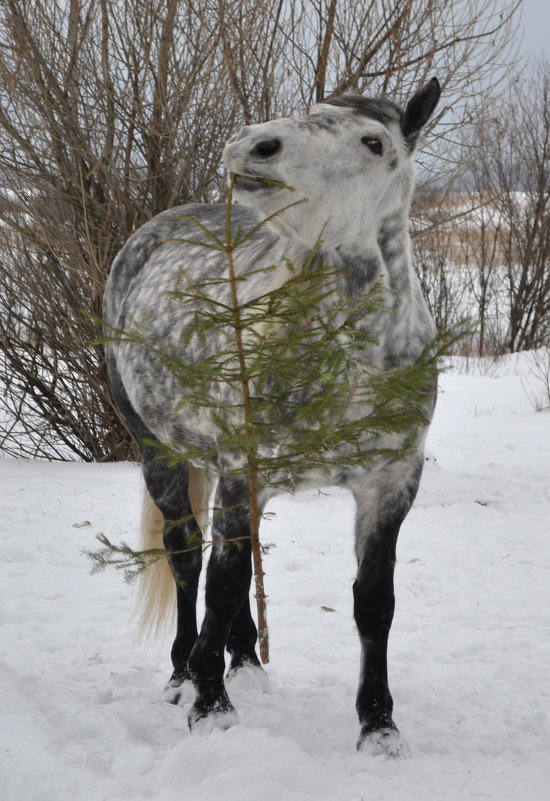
{"x": 241, "y": 642}
{"x": 227, "y": 586}
{"x": 374, "y": 604}
{"x": 168, "y": 487}
{"x": 227, "y": 581}
{"x": 186, "y": 577}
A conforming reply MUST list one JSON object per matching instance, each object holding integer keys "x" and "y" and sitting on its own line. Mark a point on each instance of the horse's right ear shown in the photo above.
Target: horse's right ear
{"x": 419, "y": 110}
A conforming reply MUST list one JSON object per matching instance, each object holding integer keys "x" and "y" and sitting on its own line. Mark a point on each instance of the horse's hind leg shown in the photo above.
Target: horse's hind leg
{"x": 227, "y": 585}
{"x": 168, "y": 488}
{"x": 183, "y": 542}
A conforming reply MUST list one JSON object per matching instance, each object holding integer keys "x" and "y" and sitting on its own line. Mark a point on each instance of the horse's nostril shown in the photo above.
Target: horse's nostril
{"x": 266, "y": 148}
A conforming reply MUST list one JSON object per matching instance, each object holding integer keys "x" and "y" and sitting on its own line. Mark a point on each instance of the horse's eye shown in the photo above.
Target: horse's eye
{"x": 374, "y": 145}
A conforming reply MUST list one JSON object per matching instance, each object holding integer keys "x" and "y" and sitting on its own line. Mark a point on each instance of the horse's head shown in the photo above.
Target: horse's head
{"x": 351, "y": 158}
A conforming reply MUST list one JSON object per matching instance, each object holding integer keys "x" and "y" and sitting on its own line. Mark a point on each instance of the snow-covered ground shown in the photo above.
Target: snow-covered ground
{"x": 81, "y": 714}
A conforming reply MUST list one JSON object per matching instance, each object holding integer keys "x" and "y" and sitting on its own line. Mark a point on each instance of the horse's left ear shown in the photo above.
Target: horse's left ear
{"x": 419, "y": 110}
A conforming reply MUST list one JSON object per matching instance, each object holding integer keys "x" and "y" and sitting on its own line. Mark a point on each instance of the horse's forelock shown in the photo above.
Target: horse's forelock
{"x": 380, "y": 109}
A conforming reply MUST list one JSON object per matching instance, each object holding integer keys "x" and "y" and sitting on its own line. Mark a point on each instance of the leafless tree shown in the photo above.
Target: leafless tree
{"x": 513, "y": 170}
{"x": 110, "y": 112}
{"x": 434, "y": 254}
{"x": 492, "y": 239}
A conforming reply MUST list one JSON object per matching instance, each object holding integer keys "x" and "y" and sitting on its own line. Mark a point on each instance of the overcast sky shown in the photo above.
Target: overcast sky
{"x": 536, "y": 24}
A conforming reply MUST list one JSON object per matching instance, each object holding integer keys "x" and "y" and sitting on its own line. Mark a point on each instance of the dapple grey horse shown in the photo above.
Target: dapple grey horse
{"x": 352, "y": 159}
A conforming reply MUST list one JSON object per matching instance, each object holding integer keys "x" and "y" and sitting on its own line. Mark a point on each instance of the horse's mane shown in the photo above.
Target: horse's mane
{"x": 380, "y": 109}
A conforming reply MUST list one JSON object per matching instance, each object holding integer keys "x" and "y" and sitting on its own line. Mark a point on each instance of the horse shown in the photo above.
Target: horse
{"x": 352, "y": 159}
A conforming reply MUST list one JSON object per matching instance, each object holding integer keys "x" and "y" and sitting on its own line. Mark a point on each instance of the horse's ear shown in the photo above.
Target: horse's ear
{"x": 419, "y": 110}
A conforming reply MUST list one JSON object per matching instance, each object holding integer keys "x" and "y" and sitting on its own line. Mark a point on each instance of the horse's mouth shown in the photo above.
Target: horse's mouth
{"x": 254, "y": 183}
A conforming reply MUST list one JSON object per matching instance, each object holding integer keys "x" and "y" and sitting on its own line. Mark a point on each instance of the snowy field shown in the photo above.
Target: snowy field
{"x": 81, "y": 714}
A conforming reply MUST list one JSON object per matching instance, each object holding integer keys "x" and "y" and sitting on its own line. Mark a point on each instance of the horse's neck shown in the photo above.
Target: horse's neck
{"x": 289, "y": 255}
{"x": 383, "y": 257}
{"x": 376, "y": 251}
{"x": 394, "y": 243}
{"x": 379, "y": 253}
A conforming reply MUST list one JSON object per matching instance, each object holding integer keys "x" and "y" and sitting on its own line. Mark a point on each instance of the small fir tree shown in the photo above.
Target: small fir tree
{"x": 290, "y": 390}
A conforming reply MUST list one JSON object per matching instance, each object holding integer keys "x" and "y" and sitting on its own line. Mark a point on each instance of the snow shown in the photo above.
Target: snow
{"x": 81, "y": 713}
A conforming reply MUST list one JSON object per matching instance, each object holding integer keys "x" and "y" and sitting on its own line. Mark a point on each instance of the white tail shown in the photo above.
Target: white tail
{"x": 157, "y": 589}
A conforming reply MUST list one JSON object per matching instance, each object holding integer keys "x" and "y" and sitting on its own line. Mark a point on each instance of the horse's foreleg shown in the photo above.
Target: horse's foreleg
{"x": 374, "y": 603}
{"x": 242, "y": 638}
{"x": 380, "y": 512}
{"x": 227, "y": 585}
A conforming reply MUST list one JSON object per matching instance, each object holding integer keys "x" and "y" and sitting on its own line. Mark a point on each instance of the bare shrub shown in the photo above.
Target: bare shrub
{"x": 536, "y": 382}
{"x": 113, "y": 111}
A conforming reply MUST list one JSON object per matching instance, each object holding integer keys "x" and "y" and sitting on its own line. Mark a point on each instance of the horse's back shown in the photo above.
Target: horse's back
{"x": 155, "y": 253}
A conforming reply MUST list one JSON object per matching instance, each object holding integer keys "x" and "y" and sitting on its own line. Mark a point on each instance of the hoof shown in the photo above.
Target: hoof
{"x": 386, "y": 742}
{"x": 248, "y": 676}
{"x": 179, "y": 689}
{"x": 221, "y": 715}
{"x": 241, "y": 660}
